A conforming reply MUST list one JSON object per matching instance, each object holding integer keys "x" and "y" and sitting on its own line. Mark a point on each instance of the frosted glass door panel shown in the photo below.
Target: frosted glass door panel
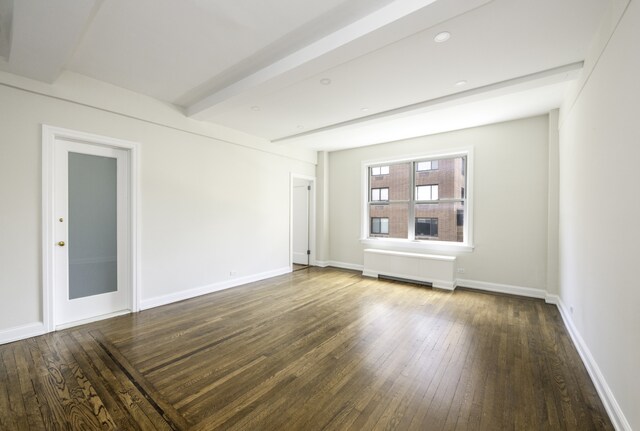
{"x": 93, "y": 268}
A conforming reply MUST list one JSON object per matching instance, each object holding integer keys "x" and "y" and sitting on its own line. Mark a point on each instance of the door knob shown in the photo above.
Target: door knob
{"x": 61, "y": 243}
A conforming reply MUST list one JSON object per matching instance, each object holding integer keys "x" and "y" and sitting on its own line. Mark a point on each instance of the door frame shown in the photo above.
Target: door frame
{"x": 49, "y": 135}
{"x": 312, "y": 218}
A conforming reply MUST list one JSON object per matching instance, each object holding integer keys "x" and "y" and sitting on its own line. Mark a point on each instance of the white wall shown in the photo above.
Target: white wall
{"x": 510, "y": 200}
{"x": 599, "y": 213}
{"x": 322, "y": 209}
{"x": 208, "y": 207}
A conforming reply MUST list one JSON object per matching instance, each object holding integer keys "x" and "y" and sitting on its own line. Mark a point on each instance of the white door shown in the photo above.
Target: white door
{"x": 92, "y": 232}
{"x": 301, "y": 201}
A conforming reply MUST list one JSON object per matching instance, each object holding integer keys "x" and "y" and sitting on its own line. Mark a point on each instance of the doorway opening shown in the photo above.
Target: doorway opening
{"x": 302, "y": 222}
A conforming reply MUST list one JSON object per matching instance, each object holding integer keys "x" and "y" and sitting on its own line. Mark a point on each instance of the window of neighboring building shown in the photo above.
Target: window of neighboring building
{"x": 380, "y": 170}
{"x": 427, "y": 193}
{"x": 427, "y": 226}
{"x": 380, "y": 194}
{"x": 421, "y": 201}
{"x": 429, "y": 165}
{"x": 379, "y": 225}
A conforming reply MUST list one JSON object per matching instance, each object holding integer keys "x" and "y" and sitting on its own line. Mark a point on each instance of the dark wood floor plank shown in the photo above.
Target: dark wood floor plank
{"x": 26, "y": 373}
{"x": 14, "y": 416}
{"x": 315, "y": 349}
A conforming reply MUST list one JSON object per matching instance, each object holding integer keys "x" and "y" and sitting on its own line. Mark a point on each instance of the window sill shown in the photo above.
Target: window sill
{"x": 429, "y": 246}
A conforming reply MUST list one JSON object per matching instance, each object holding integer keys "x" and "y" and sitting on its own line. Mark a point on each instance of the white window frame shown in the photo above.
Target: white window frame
{"x": 412, "y": 244}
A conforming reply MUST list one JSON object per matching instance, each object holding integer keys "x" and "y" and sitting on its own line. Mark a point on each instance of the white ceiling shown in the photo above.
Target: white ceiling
{"x": 256, "y": 65}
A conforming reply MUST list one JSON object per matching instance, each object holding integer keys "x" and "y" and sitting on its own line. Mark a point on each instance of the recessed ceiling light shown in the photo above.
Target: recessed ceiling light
{"x": 364, "y": 109}
{"x": 255, "y": 108}
{"x": 461, "y": 83}
{"x": 325, "y": 81}
{"x": 443, "y": 36}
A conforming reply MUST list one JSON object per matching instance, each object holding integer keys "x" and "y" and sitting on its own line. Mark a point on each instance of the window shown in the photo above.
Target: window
{"x": 426, "y": 227}
{"x": 380, "y": 170}
{"x": 380, "y": 194}
{"x": 421, "y": 201}
{"x": 430, "y": 165}
{"x": 427, "y": 193}
{"x": 379, "y": 225}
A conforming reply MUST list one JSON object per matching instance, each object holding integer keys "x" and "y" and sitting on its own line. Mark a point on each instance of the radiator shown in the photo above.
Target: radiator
{"x": 434, "y": 269}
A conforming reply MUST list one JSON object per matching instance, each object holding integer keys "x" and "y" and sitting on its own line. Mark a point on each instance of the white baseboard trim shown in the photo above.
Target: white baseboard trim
{"x": 604, "y": 391}
{"x": 552, "y": 299}
{"x": 336, "y": 264}
{"x": 146, "y": 304}
{"x": 21, "y": 332}
{"x": 503, "y": 288}
{"x": 92, "y": 319}
{"x": 344, "y": 265}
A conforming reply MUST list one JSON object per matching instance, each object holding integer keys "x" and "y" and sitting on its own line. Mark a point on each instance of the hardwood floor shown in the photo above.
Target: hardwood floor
{"x": 316, "y": 349}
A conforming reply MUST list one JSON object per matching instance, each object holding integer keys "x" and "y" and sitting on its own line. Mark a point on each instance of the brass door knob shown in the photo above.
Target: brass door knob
{"x": 61, "y": 243}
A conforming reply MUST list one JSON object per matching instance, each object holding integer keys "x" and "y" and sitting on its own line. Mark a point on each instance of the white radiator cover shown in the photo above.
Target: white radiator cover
{"x": 437, "y": 270}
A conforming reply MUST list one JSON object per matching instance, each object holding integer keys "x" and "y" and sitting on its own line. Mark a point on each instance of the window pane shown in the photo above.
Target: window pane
{"x": 93, "y": 268}
{"x": 384, "y": 194}
{"x": 427, "y": 193}
{"x": 384, "y": 170}
{"x": 447, "y": 174}
{"x": 426, "y": 227}
{"x": 384, "y": 225}
{"x": 423, "y": 166}
{"x": 396, "y": 213}
{"x": 439, "y": 222}
{"x": 375, "y": 194}
{"x": 423, "y": 193}
{"x": 375, "y": 225}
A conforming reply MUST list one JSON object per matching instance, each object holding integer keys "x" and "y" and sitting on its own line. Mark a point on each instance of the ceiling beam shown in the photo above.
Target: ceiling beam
{"x": 538, "y": 79}
{"x": 366, "y": 25}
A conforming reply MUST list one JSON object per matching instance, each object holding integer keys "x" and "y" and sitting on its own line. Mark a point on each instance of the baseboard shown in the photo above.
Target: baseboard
{"x": 552, "y": 299}
{"x": 21, "y": 332}
{"x": 604, "y": 391}
{"x": 503, "y": 288}
{"x": 344, "y": 265}
{"x": 92, "y": 319}
{"x": 322, "y": 263}
{"x": 158, "y": 301}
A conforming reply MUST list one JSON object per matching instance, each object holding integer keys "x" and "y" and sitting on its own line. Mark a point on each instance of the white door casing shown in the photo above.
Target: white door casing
{"x": 58, "y": 309}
